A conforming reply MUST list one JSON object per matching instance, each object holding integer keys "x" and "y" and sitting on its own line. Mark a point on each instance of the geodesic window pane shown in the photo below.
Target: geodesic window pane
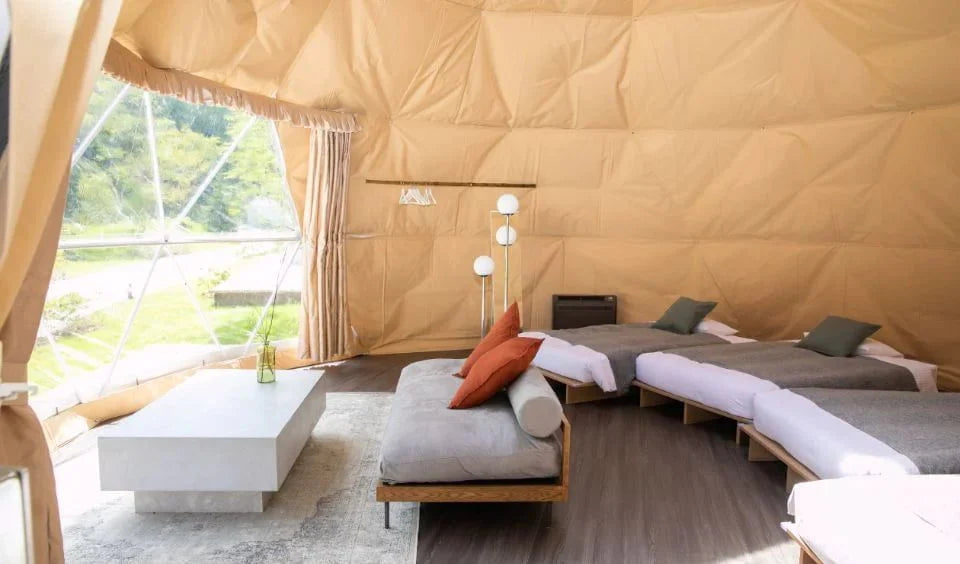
{"x": 111, "y": 194}
{"x": 246, "y": 195}
{"x": 178, "y": 233}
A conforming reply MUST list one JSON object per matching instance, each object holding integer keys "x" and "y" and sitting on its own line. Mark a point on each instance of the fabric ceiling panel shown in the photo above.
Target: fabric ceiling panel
{"x": 213, "y": 38}
{"x": 542, "y": 277}
{"x": 774, "y": 289}
{"x": 437, "y": 90}
{"x": 921, "y": 181}
{"x": 490, "y": 86}
{"x": 903, "y": 46}
{"x": 365, "y": 292}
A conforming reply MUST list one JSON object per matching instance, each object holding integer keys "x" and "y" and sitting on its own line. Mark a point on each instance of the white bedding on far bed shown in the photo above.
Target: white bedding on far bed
{"x": 823, "y": 442}
{"x": 879, "y": 519}
{"x": 733, "y": 391}
{"x": 583, "y": 363}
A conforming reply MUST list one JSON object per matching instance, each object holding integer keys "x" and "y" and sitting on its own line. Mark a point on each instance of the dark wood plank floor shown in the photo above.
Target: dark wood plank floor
{"x": 644, "y": 488}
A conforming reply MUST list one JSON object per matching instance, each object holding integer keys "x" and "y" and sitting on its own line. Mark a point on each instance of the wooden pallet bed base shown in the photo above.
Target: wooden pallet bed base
{"x": 807, "y": 555}
{"x": 693, "y": 411}
{"x": 576, "y": 391}
{"x": 762, "y": 448}
{"x": 487, "y": 491}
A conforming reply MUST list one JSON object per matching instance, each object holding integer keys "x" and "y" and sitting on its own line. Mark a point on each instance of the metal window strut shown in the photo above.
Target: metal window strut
{"x": 85, "y": 144}
{"x": 273, "y": 296}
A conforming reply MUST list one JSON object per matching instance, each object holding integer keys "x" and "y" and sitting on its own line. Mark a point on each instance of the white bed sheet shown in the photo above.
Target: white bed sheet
{"x": 822, "y": 442}
{"x": 733, "y": 391}
{"x": 583, "y": 363}
{"x": 879, "y": 519}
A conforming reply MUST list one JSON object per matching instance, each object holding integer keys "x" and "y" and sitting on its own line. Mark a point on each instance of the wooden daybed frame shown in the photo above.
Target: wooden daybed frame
{"x": 764, "y": 449}
{"x": 486, "y": 491}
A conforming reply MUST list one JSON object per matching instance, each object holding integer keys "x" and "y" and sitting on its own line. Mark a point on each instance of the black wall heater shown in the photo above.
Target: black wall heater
{"x": 579, "y": 311}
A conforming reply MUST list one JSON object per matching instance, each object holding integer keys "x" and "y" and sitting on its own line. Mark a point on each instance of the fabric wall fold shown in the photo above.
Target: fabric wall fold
{"x": 59, "y": 48}
{"x": 323, "y": 315}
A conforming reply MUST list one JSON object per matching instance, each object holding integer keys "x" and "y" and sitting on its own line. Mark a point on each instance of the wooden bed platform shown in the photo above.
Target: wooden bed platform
{"x": 807, "y": 556}
{"x": 763, "y": 449}
{"x": 693, "y": 411}
{"x": 576, "y": 391}
{"x": 548, "y": 490}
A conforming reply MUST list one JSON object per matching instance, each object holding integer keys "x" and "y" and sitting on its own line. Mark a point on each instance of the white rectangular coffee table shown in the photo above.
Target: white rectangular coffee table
{"x": 218, "y": 442}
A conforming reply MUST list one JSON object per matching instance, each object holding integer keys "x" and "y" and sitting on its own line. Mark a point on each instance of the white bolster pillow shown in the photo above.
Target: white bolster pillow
{"x": 535, "y": 404}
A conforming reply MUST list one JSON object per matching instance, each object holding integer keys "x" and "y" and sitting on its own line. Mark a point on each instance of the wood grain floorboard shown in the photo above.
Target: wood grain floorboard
{"x": 644, "y": 488}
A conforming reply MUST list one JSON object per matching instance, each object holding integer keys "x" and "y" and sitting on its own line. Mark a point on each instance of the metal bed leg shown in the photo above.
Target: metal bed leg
{"x": 386, "y": 515}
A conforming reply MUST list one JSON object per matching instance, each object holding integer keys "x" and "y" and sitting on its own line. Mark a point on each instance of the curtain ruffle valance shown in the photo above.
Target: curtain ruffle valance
{"x": 123, "y": 64}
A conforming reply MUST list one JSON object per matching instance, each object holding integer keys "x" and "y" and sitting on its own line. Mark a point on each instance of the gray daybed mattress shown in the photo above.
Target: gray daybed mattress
{"x": 837, "y": 433}
{"x": 620, "y": 344}
{"x": 426, "y": 442}
{"x": 727, "y": 378}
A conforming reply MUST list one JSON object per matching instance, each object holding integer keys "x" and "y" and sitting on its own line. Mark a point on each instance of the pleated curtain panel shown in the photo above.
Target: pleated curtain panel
{"x": 323, "y": 317}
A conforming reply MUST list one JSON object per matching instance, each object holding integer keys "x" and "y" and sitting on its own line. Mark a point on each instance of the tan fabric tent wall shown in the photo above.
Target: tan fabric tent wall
{"x": 789, "y": 158}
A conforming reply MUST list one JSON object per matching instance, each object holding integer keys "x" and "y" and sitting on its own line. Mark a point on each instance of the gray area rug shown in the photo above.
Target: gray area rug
{"x": 325, "y": 511}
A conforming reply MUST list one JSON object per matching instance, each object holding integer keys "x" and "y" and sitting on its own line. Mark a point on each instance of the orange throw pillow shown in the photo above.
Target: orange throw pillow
{"x": 494, "y": 371}
{"x": 503, "y": 330}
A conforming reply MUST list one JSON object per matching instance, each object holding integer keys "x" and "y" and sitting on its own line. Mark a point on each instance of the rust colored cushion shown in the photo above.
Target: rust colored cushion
{"x": 506, "y": 328}
{"x": 495, "y": 370}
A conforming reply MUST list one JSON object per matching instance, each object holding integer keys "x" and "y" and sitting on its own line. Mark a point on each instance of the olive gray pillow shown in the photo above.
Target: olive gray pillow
{"x": 838, "y": 336}
{"x": 684, "y": 316}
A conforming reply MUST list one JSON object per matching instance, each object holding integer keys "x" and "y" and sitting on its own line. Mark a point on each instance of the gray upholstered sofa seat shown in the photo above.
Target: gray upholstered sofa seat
{"x": 426, "y": 442}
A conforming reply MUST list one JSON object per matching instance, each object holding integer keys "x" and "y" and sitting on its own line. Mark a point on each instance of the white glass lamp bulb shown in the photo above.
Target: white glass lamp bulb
{"x": 508, "y": 204}
{"x": 505, "y": 239}
{"x": 483, "y": 266}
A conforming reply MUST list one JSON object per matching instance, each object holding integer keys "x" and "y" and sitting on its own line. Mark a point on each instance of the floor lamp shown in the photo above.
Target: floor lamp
{"x": 507, "y": 205}
{"x": 483, "y": 267}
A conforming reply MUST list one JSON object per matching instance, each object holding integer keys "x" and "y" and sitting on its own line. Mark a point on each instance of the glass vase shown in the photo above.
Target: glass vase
{"x": 266, "y": 364}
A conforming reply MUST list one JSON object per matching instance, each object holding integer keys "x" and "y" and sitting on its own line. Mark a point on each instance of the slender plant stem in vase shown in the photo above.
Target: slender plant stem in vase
{"x": 267, "y": 352}
{"x": 266, "y": 363}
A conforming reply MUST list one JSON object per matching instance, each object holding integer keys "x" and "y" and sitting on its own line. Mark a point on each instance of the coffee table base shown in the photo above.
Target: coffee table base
{"x": 200, "y": 502}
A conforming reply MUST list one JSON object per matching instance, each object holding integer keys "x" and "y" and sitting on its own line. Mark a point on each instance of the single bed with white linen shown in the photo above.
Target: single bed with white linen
{"x": 838, "y": 433}
{"x": 727, "y": 379}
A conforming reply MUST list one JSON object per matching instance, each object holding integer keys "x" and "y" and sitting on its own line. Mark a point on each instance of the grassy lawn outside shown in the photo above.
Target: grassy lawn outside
{"x": 74, "y": 268}
{"x": 165, "y": 317}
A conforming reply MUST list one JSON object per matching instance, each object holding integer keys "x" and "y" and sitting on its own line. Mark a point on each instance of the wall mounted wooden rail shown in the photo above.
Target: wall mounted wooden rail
{"x": 454, "y": 184}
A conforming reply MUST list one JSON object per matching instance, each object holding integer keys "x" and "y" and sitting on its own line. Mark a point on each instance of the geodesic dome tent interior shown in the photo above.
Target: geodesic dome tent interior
{"x": 787, "y": 159}
{"x": 192, "y": 187}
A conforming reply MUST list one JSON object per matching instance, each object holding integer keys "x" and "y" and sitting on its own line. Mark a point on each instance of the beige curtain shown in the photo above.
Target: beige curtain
{"x": 323, "y": 323}
{"x": 58, "y": 47}
{"x": 22, "y": 441}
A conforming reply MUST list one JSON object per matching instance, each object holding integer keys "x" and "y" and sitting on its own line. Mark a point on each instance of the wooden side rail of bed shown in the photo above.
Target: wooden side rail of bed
{"x": 763, "y": 449}
{"x": 807, "y": 555}
{"x": 575, "y": 391}
{"x": 693, "y": 411}
{"x": 547, "y": 490}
